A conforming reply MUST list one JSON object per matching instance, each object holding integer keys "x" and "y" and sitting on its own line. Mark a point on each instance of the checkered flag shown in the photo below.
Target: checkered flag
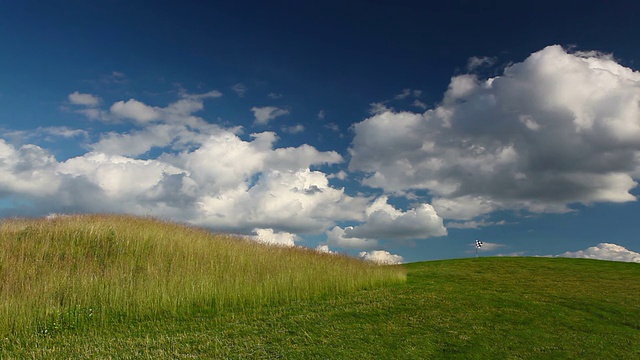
{"x": 478, "y": 246}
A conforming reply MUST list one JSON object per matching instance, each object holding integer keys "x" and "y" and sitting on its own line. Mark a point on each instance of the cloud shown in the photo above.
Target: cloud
{"x": 419, "y": 104}
{"x": 116, "y": 77}
{"x": 62, "y": 131}
{"x": 292, "y": 201}
{"x": 321, "y": 114}
{"x": 268, "y": 236}
{"x": 264, "y": 114}
{"x": 324, "y": 249}
{"x": 253, "y": 186}
{"x": 77, "y": 98}
{"x": 274, "y": 96}
{"x": 473, "y": 224}
{"x": 198, "y": 97}
{"x": 135, "y": 110}
{"x": 382, "y": 257}
{"x": 240, "y": 89}
{"x": 480, "y": 61}
{"x": 341, "y": 175}
{"x": 48, "y": 133}
{"x": 515, "y": 253}
{"x": 554, "y": 130}
{"x": 199, "y": 173}
{"x": 135, "y": 142}
{"x": 89, "y": 105}
{"x": 383, "y": 221}
{"x": 93, "y": 114}
{"x": 27, "y": 170}
{"x": 405, "y": 94}
{"x": 158, "y": 126}
{"x": 118, "y": 176}
{"x": 181, "y": 109}
{"x": 378, "y": 108}
{"x": 336, "y": 237}
{"x": 295, "y": 129}
{"x": 464, "y": 207}
{"x": 408, "y": 93}
{"x": 333, "y": 127}
{"x": 605, "y": 251}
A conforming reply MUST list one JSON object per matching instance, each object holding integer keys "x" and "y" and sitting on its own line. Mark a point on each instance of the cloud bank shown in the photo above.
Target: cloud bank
{"x": 200, "y": 173}
{"x": 551, "y": 131}
{"x": 205, "y": 174}
{"x": 605, "y": 251}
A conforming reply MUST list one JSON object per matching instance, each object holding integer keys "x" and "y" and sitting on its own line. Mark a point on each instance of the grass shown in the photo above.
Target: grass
{"x": 486, "y": 308}
{"x": 68, "y": 271}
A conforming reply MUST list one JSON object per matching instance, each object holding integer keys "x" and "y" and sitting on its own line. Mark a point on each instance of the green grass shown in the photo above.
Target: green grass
{"x": 72, "y": 271}
{"x": 486, "y": 308}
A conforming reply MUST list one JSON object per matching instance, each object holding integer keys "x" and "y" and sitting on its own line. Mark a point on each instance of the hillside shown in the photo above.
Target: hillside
{"x": 484, "y": 308}
{"x": 71, "y": 272}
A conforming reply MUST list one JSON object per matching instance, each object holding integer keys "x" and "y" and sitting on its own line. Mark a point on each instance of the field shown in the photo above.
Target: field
{"x": 485, "y": 308}
{"x": 71, "y": 271}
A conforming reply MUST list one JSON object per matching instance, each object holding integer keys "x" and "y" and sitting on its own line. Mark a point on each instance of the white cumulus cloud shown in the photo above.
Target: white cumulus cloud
{"x": 605, "y": 251}
{"x": 27, "y": 170}
{"x": 199, "y": 172}
{"x": 336, "y": 237}
{"x": 120, "y": 177}
{"x": 324, "y": 249}
{"x": 83, "y": 99}
{"x": 551, "y": 131}
{"x": 382, "y": 257}
{"x": 383, "y": 221}
{"x": 135, "y": 110}
{"x": 268, "y": 236}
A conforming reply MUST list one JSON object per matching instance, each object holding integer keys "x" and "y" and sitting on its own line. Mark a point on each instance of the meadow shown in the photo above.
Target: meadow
{"x": 476, "y": 308}
{"x": 68, "y": 271}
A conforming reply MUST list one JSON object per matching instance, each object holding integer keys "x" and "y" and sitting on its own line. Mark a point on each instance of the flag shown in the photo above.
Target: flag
{"x": 478, "y": 244}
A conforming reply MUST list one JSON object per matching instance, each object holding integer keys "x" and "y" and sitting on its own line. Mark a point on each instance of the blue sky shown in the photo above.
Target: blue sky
{"x": 394, "y": 131}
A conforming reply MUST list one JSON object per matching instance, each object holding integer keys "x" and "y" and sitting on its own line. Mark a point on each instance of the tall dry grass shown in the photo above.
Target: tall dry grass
{"x": 68, "y": 271}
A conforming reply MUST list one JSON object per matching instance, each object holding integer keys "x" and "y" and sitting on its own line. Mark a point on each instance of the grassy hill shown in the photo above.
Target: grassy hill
{"x": 70, "y": 271}
{"x": 486, "y": 308}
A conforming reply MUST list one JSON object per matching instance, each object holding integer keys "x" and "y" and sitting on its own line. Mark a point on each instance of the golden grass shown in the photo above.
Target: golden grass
{"x": 71, "y": 270}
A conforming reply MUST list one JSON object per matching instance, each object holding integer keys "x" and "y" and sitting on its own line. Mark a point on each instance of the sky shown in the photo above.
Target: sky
{"x": 394, "y": 131}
